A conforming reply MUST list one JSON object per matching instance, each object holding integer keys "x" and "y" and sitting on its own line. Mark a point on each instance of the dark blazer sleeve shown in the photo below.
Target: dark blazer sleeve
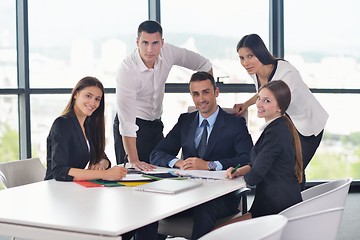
{"x": 230, "y": 142}
{"x": 261, "y": 164}
{"x": 169, "y": 147}
{"x": 66, "y": 148}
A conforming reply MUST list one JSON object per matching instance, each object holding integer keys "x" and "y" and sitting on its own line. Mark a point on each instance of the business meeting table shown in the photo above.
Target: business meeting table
{"x": 52, "y": 210}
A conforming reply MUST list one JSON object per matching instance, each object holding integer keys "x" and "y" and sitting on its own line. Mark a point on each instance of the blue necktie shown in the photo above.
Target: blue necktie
{"x": 203, "y": 141}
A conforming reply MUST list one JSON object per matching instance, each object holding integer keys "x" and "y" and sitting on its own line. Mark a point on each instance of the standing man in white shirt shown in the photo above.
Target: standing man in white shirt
{"x": 140, "y": 89}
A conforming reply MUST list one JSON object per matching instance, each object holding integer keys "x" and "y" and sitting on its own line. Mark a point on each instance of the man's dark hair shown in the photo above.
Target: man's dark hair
{"x": 202, "y": 76}
{"x": 150, "y": 26}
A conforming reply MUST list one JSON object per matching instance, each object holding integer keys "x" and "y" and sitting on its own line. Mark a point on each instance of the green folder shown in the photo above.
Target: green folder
{"x": 106, "y": 183}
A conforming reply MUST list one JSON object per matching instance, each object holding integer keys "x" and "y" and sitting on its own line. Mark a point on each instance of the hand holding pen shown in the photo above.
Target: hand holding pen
{"x": 130, "y": 170}
{"x": 238, "y": 171}
{"x": 231, "y": 172}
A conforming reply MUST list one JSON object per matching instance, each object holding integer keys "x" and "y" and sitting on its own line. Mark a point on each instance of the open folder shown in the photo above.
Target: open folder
{"x": 169, "y": 186}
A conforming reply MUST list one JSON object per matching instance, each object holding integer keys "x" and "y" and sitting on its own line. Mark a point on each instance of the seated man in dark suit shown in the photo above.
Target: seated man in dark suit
{"x": 221, "y": 141}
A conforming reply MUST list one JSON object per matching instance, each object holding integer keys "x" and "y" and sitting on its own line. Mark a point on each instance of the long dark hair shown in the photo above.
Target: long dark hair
{"x": 258, "y": 48}
{"x": 95, "y": 122}
{"x": 282, "y": 95}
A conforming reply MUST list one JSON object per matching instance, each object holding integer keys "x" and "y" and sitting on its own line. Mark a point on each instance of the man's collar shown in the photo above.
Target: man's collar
{"x": 140, "y": 63}
{"x": 211, "y": 119}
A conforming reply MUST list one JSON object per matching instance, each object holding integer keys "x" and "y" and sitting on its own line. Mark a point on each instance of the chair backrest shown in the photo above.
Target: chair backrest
{"x": 22, "y": 172}
{"x": 314, "y": 226}
{"x": 321, "y": 197}
{"x": 229, "y": 110}
{"x": 262, "y": 228}
{"x": 336, "y": 186}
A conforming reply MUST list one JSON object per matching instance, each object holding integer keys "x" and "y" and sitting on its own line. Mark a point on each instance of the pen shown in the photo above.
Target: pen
{"x": 236, "y": 168}
{"x": 125, "y": 159}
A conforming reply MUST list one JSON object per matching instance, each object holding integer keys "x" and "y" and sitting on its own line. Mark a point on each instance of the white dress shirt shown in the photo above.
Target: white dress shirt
{"x": 307, "y": 114}
{"x": 140, "y": 91}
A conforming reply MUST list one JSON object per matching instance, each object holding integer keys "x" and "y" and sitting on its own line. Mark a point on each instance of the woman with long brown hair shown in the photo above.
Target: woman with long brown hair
{"x": 276, "y": 160}
{"x": 77, "y": 138}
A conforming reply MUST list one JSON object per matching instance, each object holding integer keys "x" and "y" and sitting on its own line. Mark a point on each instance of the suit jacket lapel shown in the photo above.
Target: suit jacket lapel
{"x": 194, "y": 122}
{"x": 79, "y": 134}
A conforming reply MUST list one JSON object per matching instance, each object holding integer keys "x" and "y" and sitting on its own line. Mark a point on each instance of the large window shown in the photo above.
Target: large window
{"x": 72, "y": 39}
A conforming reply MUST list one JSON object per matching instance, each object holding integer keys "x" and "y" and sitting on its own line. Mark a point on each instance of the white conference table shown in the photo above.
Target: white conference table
{"x": 66, "y": 210}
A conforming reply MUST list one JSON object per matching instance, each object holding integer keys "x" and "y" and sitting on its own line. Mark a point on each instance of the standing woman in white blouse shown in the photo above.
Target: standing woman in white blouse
{"x": 307, "y": 114}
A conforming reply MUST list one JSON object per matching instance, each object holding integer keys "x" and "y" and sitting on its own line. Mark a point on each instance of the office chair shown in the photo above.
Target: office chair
{"x": 262, "y": 228}
{"x": 319, "y": 213}
{"x": 336, "y": 188}
{"x": 21, "y": 172}
{"x": 321, "y": 197}
{"x": 313, "y": 226}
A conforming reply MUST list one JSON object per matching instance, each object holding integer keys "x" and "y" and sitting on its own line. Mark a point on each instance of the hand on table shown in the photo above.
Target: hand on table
{"x": 143, "y": 166}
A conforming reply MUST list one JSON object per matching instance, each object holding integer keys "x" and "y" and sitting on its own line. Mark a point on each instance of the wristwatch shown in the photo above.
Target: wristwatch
{"x": 212, "y": 166}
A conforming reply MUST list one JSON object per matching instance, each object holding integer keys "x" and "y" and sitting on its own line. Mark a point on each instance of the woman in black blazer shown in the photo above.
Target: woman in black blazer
{"x": 77, "y": 138}
{"x": 276, "y": 161}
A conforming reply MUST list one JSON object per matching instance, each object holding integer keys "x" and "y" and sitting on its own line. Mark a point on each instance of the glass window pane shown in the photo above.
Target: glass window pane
{"x": 324, "y": 47}
{"x": 213, "y": 30}
{"x": 9, "y": 131}
{"x": 72, "y": 39}
{"x": 8, "y": 57}
{"x": 339, "y": 153}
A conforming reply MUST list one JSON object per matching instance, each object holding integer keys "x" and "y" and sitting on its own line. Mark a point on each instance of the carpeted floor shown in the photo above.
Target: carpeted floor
{"x": 350, "y": 225}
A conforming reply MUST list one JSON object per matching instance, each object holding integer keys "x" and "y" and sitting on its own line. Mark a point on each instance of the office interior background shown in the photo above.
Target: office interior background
{"x": 47, "y": 46}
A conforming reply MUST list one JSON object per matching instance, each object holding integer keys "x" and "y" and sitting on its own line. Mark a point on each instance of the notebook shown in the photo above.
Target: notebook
{"x": 169, "y": 186}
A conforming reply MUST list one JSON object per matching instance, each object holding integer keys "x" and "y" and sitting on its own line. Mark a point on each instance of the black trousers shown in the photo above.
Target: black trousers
{"x": 309, "y": 145}
{"x": 150, "y": 133}
{"x": 148, "y": 232}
